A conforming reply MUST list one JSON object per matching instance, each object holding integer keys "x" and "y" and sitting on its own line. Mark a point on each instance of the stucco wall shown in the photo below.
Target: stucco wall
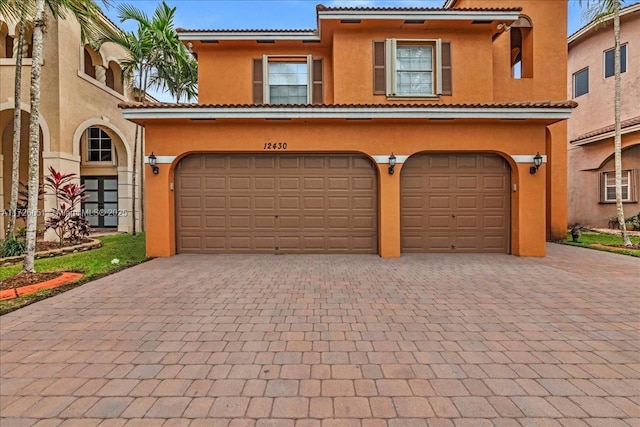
{"x": 595, "y": 109}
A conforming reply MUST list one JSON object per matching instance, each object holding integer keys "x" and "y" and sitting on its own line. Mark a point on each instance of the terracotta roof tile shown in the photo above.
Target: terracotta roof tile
{"x": 625, "y": 124}
{"x": 542, "y": 104}
{"x": 323, "y": 8}
{"x": 240, "y": 31}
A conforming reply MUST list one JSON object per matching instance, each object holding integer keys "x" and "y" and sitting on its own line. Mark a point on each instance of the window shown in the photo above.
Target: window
{"x": 99, "y": 147}
{"x": 581, "y": 83}
{"x": 609, "y": 61}
{"x": 287, "y": 80}
{"x": 411, "y": 68}
{"x": 609, "y": 186}
{"x": 521, "y": 48}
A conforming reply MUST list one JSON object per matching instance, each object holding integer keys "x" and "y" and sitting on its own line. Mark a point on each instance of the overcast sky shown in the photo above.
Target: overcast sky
{"x": 278, "y": 14}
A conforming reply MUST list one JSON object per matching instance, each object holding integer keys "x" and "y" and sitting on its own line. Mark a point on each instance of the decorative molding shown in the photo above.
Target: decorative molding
{"x": 384, "y": 159}
{"x": 526, "y": 158}
{"x": 161, "y": 159}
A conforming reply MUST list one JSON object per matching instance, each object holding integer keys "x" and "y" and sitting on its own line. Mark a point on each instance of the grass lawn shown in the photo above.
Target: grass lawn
{"x": 130, "y": 250}
{"x": 591, "y": 240}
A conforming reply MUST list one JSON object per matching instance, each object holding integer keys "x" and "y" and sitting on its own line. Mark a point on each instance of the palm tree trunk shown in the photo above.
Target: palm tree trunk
{"x": 17, "y": 132}
{"x": 617, "y": 140}
{"x": 34, "y": 138}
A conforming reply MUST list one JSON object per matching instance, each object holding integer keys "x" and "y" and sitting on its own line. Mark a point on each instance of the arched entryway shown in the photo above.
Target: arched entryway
{"x": 455, "y": 202}
{"x": 105, "y": 172}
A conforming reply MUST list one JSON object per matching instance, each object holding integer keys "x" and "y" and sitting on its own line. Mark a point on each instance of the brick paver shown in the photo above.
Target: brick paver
{"x": 324, "y": 340}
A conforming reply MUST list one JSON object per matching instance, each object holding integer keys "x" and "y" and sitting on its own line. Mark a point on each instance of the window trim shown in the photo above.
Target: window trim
{"x": 573, "y": 79}
{"x": 630, "y": 186}
{"x": 391, "y": 70}
{"x": 626, "y": 62}
{"x": 308, "y": 59}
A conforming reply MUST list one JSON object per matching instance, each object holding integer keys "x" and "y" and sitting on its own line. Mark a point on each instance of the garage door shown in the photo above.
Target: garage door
{"x": 455, "y": 203}
{"x": 276, "y": 204}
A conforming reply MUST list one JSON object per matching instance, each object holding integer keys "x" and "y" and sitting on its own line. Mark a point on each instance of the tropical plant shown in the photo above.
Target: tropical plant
{"x": 87, "y": 14}
{"x": 66, "y": 220}
{"x": 600, "y": 11}
{"x": 12, "y": 247}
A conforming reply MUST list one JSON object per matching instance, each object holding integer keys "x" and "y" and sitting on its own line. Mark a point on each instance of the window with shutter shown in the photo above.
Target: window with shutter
{"x": 280, "y": 79}
{"x": 408, "y": 68}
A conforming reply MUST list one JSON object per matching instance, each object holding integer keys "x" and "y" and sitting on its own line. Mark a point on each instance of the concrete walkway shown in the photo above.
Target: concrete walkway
{"x": 326, "y": 340}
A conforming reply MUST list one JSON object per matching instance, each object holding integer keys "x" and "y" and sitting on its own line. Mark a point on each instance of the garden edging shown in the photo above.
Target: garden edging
{"x": 93, "y": 244}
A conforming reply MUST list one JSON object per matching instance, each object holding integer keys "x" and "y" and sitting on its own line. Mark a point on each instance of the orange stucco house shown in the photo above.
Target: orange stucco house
{"x": 384, "y": 130}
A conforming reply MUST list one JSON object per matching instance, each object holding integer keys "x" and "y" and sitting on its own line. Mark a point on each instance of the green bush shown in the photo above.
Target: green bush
{"x": 12, "y": 247}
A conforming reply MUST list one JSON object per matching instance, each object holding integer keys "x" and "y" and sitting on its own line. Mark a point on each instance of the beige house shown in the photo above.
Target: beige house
{"x": 82, "y": 130}
{"x": 591, "y": 178}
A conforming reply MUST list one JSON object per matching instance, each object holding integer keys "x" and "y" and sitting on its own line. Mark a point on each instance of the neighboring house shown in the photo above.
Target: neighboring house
{"x": 591, "y": 171}
{"x": 82, "y": 130}
{"x": 291, "y": 148}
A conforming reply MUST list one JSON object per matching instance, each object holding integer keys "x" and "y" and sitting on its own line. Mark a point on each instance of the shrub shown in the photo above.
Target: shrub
{"x": 65, "y": 219}
{"x": 12, "y": 247}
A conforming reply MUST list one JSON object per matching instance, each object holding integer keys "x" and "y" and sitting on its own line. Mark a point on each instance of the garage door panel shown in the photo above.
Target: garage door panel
{"x": 289, "y": 183}
{"x": 276, "y": 204}
{"x": 212, "y": 184}
{"x": 441, "y": 201}
{"x": 455, "y": 202}
{"x": 214, "y": 222}
{"x": 188, "y": 202}
{"x": 190, "y": 182}
{"x": 239, "y": 202}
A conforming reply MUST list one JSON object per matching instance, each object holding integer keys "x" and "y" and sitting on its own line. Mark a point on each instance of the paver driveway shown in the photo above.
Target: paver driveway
{"x": 437, "y": 340}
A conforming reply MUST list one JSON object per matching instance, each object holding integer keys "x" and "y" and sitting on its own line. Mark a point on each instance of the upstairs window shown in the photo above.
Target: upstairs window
{"x": 609, "y": 61}
{"x": 292, "y": 80}
{"x": 406, "y": 68}
{"x": 521, "y": 39}
{"x": 288, "y": 83}
{"x": 581, "y": 82}
{"x": 99, "y": 146}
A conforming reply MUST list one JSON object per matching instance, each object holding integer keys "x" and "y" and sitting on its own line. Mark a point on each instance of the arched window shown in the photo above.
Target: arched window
{"x": 114, "y": 77}
{"x": 6, "y": 41}
{"x": 89, "y": 66}
{"x": 27, "y": 48}
{"x": 99, "y": 145}
{"x": 522, "y": 48}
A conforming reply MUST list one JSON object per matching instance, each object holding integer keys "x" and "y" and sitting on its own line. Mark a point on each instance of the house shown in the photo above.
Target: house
{"x": 383, "y": 130}
{"x": 82, "y": 130}
{"x": 591, "y": 170}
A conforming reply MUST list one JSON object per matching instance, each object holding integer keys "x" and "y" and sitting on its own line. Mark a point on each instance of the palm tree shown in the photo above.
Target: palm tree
{"x": 599, "y": 11}
{"x": 155, "y": 57}
{"x": 86, "y": 13}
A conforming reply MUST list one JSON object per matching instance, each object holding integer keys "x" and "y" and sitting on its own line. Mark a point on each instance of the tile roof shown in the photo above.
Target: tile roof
{"x": 240, "y": 31}
{"x": 542, "y": 104}
{"x": 323, "y": 8}
{"x": 625, "y": 124}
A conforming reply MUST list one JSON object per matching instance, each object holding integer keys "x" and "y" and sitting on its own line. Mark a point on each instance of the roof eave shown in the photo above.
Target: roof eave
{"x": 433, "y": 15}
{"x": 604, "y": 135}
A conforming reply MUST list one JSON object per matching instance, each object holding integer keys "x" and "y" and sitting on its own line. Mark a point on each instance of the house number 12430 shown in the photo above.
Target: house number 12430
{"x": 275, "y": 146}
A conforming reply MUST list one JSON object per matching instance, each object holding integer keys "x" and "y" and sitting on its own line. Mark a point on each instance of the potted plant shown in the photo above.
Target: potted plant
{"x": 613, "y": 223}
{"x": 574, "y": 229}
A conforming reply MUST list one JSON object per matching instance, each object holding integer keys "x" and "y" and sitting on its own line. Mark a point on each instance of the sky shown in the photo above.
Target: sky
{"x": 277, "y": 14}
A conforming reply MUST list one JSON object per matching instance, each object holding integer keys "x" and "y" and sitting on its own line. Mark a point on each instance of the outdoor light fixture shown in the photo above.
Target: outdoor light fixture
{"x": 392, "y": 164}
{"x": 152, "y": 163}
{"x": 537, "y": 161}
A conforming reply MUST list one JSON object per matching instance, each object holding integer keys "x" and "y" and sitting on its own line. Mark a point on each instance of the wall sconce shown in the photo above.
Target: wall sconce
{"x": 537, "y": 161}
{"x": 152, "y": 163}
{"x": 392, "y": 164}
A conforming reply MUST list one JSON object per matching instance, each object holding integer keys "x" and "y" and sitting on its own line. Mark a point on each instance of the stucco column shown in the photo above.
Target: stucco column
{"x": 101, "y": 74}
{"x": 64, "y": 163}
{"x": 125, "y": 220}
{"x": 389, "y": 211}
{"x": 557, "y": 196}
{"x": 529, "y": 233}
{"x": 159, "y": 233}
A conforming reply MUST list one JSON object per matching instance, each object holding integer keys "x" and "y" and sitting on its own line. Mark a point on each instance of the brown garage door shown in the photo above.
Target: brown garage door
{"x": 455, "y": 203}
{"x": 276, "y": 204}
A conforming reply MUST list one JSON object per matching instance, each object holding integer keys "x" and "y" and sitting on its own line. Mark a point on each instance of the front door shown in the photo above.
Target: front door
{"x": 101, "y": 207}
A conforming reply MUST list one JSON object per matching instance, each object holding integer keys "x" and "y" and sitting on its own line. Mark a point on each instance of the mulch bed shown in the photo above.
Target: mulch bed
{"x": 47, "y": 246}
{"x": 27, "y": 279}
